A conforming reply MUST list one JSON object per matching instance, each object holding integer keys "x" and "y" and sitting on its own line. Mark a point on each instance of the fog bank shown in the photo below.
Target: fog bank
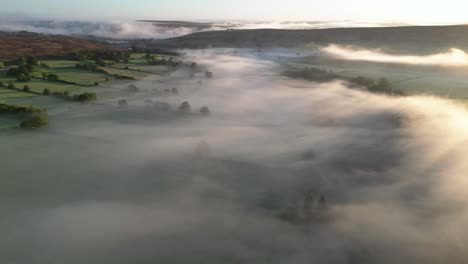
{"x": 453, "y": 57}
{"x": 157, "y": 29}
{"x": 366, "y": 178}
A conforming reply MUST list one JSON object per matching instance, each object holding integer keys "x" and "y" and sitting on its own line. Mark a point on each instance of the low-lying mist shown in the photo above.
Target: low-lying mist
{"x": 282, "y": 171}
{"x": 453, "y": 57}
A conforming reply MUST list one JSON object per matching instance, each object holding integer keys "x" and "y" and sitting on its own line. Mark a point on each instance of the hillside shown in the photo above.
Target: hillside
{"x": 414, "y": 38}
{"x": 13, "y": 45}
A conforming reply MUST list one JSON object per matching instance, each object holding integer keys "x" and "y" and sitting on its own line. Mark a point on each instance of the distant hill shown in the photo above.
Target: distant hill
{"x": 411, "y": 38}
{"x": 13, "y": 45}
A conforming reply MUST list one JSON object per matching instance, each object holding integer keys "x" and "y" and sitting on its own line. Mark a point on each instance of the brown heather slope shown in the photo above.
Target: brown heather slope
{"x": 13, "y": 45}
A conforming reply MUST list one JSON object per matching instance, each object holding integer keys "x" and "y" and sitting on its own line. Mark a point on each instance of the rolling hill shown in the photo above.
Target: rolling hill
{"x": 13, "y": 45}
{"x": 418, "y": 39}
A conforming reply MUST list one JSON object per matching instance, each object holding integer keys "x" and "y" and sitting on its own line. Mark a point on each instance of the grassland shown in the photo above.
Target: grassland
{"x": 413, "y": 80}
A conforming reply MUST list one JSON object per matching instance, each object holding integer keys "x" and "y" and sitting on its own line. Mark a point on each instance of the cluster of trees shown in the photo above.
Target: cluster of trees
{"x": 102, "y": 55}
{"x": 382, "y": 85}
{"x": 154, "y": 60}
{"x": 86, "y": 66}
{"x": 154, "y": 51}
{"x": 26, "y": 67}
{"x": 185, "y": 107}
{"x": 313, "y": 74}
{"x": 31, "y": 117}
{"x": 307, "y": 211}
{"x": 103, "y": 63}
{"x": 50, "y": 76}
{"x": 85, "y": 97}
{"x": 15, "y": 109}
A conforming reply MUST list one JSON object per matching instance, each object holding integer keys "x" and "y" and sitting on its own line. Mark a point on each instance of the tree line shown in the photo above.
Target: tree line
{"x": 31, "y": 117}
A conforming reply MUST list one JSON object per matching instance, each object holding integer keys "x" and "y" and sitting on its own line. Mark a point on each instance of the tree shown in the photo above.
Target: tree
{"x": 31, "y": 60}
{"x": 26, "y": 88}
{"x": 23, "y": 78}
{"x": 185, "y": 107}
{"x": 22, "y": 60}
{"x": 52, "y": 77}
{"x": 133, "y": 88}
{"x": 1, "y": 84}
{"x": 45, "y": 65}
{"x": 2, "y": 65}
{"x": 35, "y": 120}
{"x": 45, "y": 75}
{"x": 46, "y": 92}
{"x": 205, "y": 110}
{"x": 11, "y": 85}
{"x": 100, "y": 62}
{"x": 208, "y": 74}
{"x": 122, "y": 103}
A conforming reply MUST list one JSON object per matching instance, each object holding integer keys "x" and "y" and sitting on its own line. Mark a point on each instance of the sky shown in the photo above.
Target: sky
{"x": 414, "y": 11}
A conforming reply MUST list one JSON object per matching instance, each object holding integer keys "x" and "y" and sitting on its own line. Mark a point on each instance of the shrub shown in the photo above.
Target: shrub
{"x": 26, "y": 88}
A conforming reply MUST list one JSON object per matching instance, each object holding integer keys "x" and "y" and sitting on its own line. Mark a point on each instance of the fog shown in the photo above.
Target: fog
{"x": 159, "y": 29}
{"x": 385, "y": 176}
{"x": 453, "y": 57}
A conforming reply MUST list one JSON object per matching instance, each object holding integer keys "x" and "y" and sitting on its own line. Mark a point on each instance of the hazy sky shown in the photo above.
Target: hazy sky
{"x": 415, "y": 11}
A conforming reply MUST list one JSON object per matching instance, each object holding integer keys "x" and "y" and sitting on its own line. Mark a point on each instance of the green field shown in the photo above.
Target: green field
{"x": 410, "y": 79}
{"x": 6, "y": 94}
{"x": 137, "y": 69}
